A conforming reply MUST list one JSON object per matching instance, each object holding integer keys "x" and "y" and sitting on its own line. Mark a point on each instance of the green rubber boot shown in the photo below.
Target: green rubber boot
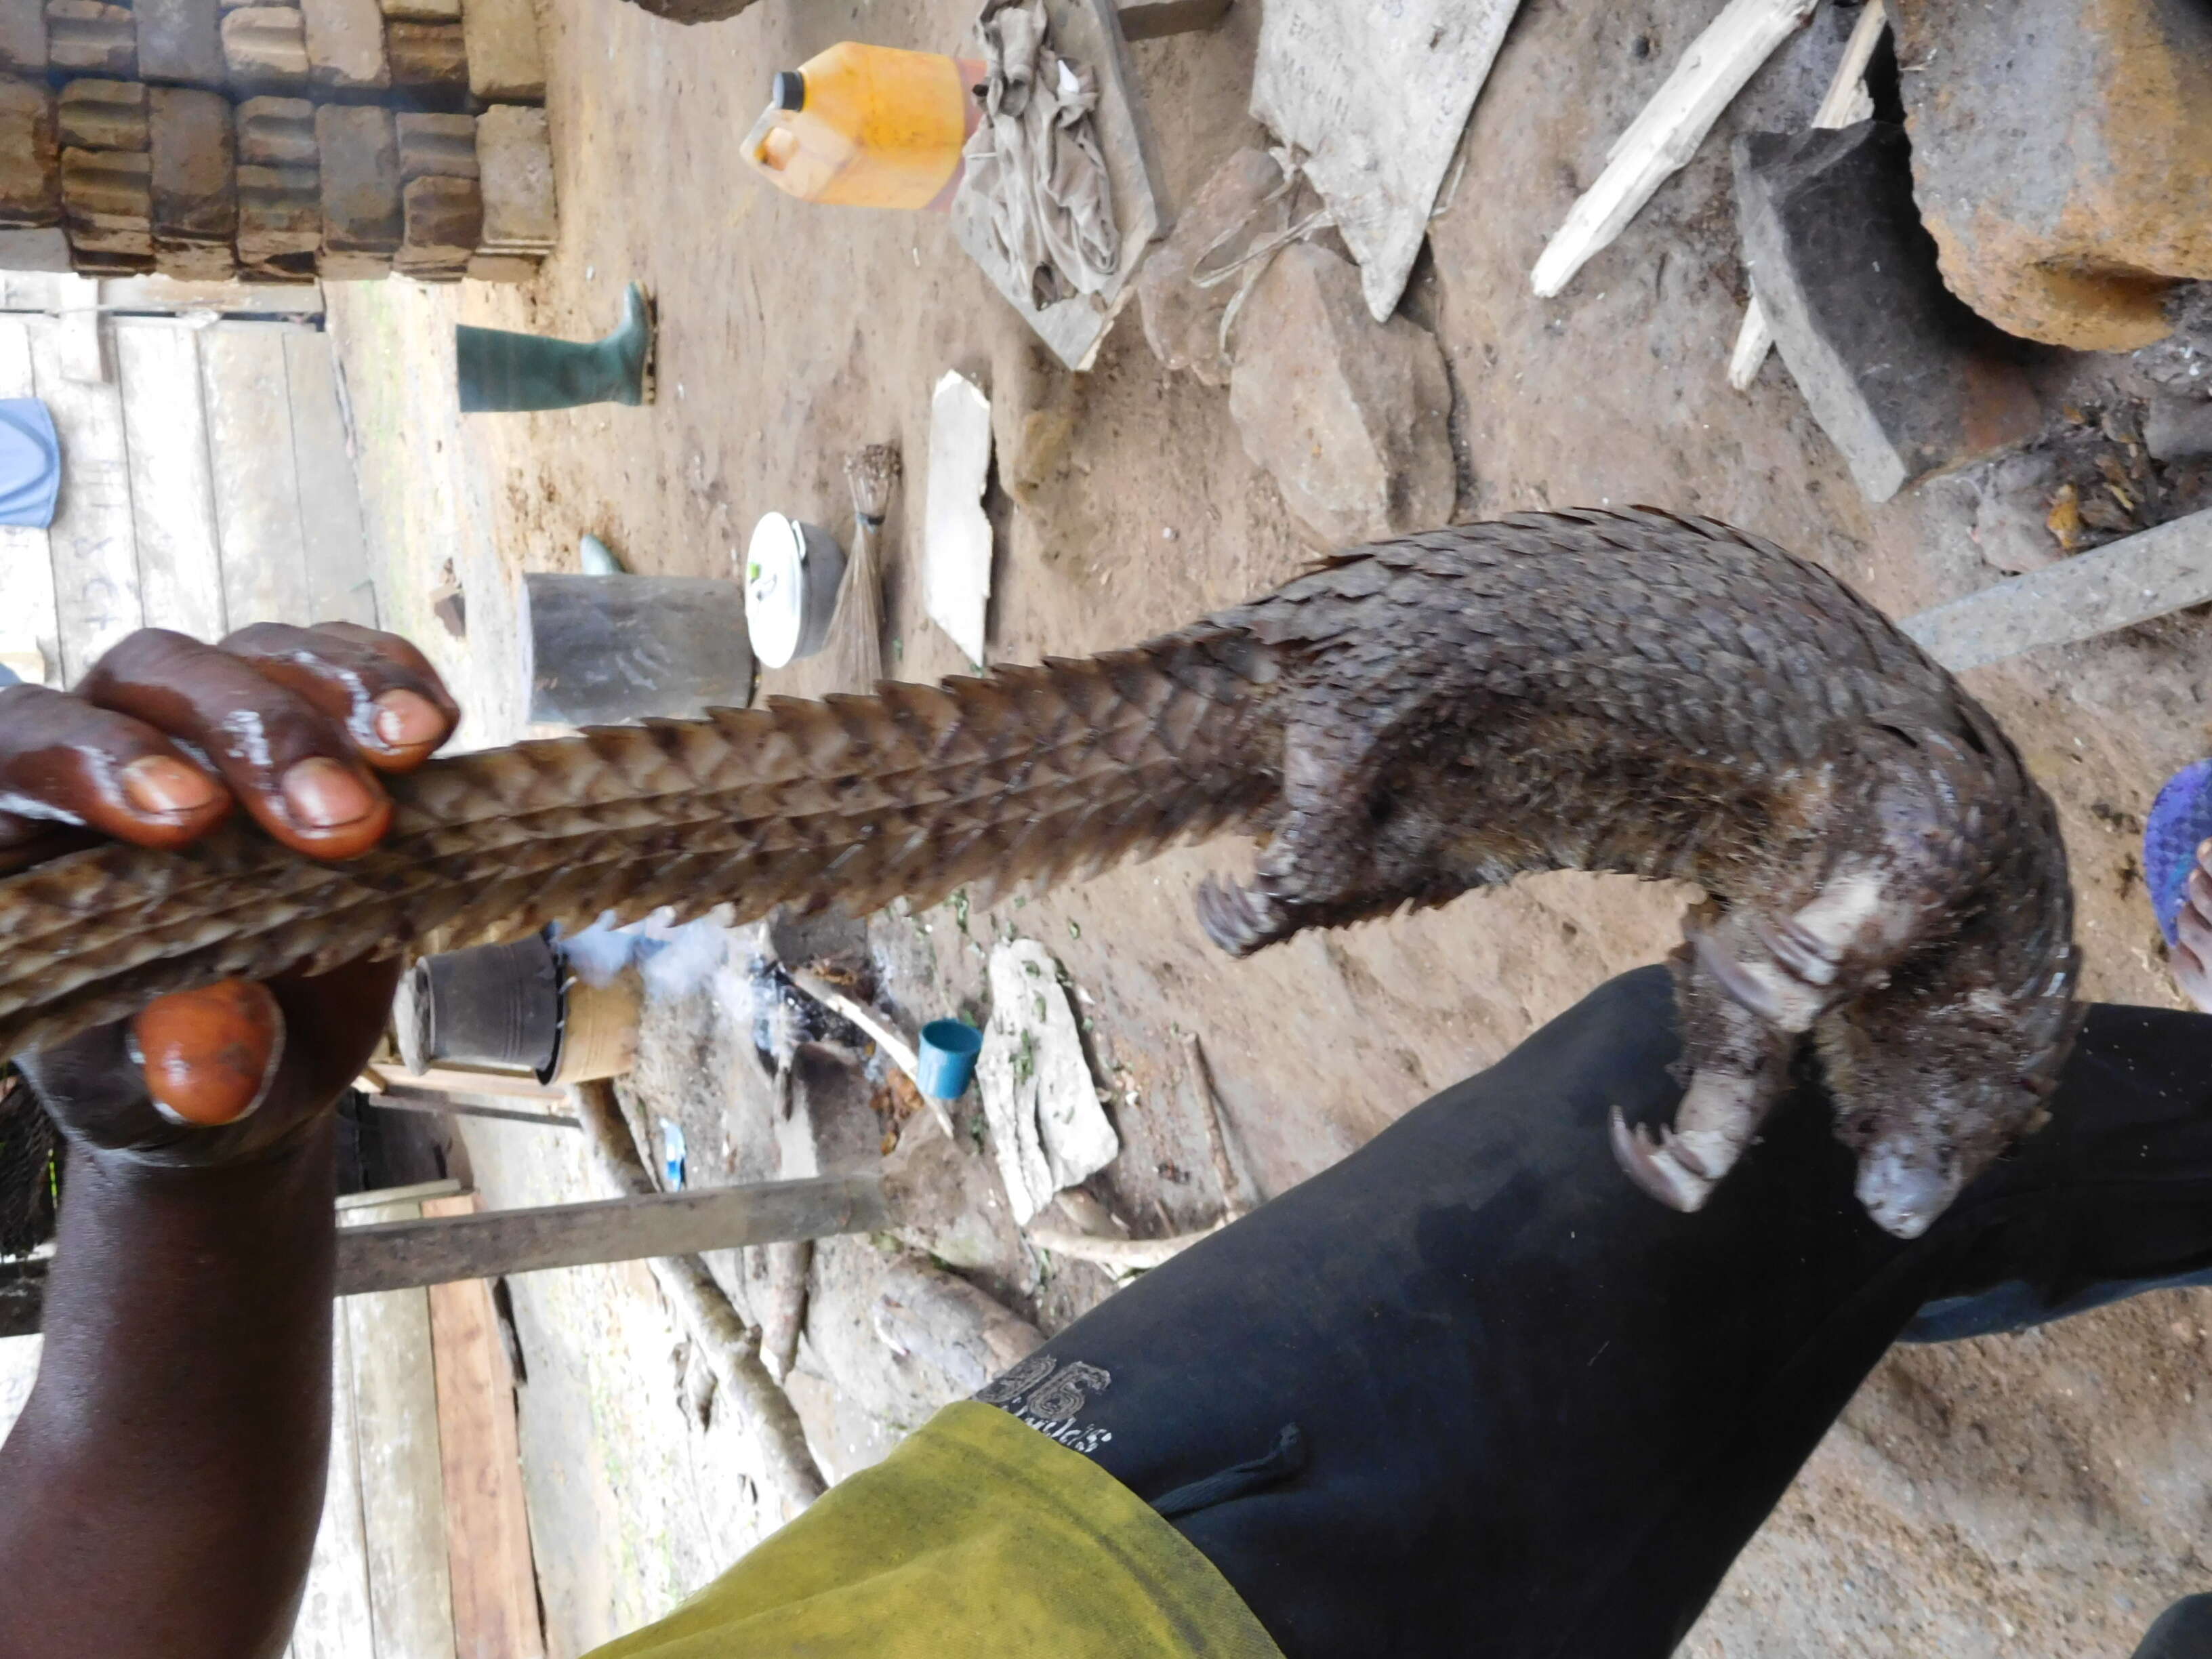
{"x": 504, "y": 371}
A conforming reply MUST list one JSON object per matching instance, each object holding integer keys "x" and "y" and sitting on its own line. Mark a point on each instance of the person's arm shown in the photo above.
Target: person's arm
{"x": 161, "y": 1492}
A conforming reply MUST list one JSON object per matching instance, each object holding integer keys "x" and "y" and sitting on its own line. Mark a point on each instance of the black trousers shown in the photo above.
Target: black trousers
{"x": 1470, "y": 1393}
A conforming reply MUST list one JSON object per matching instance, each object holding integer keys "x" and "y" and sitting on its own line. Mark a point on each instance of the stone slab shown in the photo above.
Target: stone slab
{"x": 45, "y": 249}
{"x": 195, "y": 157}
{"x": 23, "y": 37}
{"x": 427, "y": 56}
{"x": 96, "y": 114}
{"x": 2150, "y": 574}
{"x": 437, "y": 146}
{"x": 507, "y": 64}
{"x": 30, "y": 157}
{"x": 280, "y": 213}
{"x": 345, "y": 44}
{"x": 424, "y": 11}
{"x": 1152, "y": 20}
{"x": 362, "y": 210}
{"x": 514, "y": 155}
{"x": 180, "y": 42}
{"x": 265, "y": 48}
{"x": 2064, "y": 153}
{"x": 89, "y": 37}
{"x": 1903, "y": 379}
{"x": 277, "y": 132}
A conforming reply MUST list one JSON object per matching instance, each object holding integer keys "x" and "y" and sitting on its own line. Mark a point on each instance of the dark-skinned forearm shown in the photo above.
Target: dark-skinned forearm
{"x": 161, "y": 1492}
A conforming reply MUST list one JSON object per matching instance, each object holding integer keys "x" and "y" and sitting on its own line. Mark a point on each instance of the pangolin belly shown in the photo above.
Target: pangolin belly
{"x": 1615, "y": 691}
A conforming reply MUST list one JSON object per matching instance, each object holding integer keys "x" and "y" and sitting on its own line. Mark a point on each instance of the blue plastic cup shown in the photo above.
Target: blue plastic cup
{"x": 947, "y": 1061}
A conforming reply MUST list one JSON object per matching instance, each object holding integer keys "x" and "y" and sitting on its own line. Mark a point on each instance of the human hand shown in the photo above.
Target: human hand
{"x": 2192, "y": 954}
{"x": 158, "y": 744}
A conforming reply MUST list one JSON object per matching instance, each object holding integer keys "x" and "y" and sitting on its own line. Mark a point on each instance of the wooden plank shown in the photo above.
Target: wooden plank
{"x": 257, "y": 488}
{"x": 400, "y": 1254}
{"x": 2132, "y": 580}
{"x": 27, "y": 567}
{"x": 486, "y": 1524}
{"x": 414, "y": 1192}
{"x": 339, "y": 587}
{"x": 403, "y": 1500}
{"x": 157, "y": 365}
{"x": 94, "y": 537}
{"x": 231, "y": 298}
{"x": 688, "y": 1223}
{"x": 334, "y": 1616}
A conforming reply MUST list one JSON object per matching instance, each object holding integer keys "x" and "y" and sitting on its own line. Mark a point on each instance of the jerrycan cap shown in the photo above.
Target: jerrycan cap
{"x": 787, "y": 90}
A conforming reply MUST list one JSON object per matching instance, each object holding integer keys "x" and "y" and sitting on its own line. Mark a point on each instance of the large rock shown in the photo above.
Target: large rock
{"x": 1182, "y": 321}
{"x": 1903, "y": 378}
{"x": 2063, "y": 151}
{"x": 1350, "y": 415}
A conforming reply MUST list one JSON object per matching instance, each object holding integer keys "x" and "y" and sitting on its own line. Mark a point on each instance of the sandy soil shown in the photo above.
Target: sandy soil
{"x": 2036, "y": 1496}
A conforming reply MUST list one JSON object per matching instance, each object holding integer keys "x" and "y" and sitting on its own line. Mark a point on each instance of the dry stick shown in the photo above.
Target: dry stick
{"x": 730, "y": 1348}
{"x": 896, "y": 1050}
{"x": 1846, "y": 104}
{"x": 1667, "y": 133}
{"x": 1135, "y": 1254}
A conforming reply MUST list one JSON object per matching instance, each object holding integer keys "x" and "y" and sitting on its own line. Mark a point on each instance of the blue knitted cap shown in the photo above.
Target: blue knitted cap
{"x": 2180, "y": 822}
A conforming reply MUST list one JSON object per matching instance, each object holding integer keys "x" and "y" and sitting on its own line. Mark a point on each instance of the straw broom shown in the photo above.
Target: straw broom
{"x": 874, "y": 474}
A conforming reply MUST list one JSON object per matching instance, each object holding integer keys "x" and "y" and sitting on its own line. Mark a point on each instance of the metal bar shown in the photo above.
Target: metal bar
{"x": 395, "y": 1255}
{"x": 416, "y": 1100}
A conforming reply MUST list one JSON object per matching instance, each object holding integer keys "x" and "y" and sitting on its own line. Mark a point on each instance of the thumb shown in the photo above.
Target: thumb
{"x": 209, "y": 1055}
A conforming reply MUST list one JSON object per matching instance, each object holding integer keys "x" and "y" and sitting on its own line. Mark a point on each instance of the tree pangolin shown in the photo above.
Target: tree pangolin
{"x": 1620, "y": 691}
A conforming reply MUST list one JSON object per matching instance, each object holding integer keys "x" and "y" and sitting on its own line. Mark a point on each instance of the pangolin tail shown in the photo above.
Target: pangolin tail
{"x": 1025, "y": 774}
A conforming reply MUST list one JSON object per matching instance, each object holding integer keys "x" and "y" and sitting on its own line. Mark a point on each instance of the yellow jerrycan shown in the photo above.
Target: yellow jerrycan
{"x": 868, "y": 126}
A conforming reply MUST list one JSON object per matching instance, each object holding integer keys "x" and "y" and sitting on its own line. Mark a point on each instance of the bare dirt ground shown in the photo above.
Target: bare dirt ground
{"x": 2035, "y": 1495}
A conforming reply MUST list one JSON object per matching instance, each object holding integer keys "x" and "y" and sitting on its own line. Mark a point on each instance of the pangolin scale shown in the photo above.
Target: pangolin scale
{"x": 1635, "y": 692}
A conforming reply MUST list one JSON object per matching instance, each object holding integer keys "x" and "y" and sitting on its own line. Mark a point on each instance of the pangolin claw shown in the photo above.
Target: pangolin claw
{"x": 1660, "y": 1166}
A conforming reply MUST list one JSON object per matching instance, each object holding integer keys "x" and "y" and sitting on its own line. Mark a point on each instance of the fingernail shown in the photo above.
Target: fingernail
{"x": 405, "y": 721}
{"x": 160, "y": 784}
{"x": 325, "y": 795}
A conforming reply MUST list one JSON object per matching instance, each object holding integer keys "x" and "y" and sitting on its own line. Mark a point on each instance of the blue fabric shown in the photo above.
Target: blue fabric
{"x": 2180, "y": 822}
{"x": 30, "y": 463}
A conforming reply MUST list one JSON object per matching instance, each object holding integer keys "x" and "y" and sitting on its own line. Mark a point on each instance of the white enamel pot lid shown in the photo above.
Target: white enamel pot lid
{"x": 775, "y": 589}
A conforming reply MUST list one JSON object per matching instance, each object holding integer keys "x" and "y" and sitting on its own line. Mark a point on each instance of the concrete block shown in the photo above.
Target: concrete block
{"x": 277, "y": 132}
{"x": 345, "y": 44}
{"x": 30, "y": 157}
{"x": 280, "y": 213}
{"x": 424, "y": 11}
{"x": 103, "y": 114}
{"x": 23, "y": 39}
{"x": 506, "y": 63}
{"x": 1349, "y": 414}
{"x": 2178, "y": 428}
{"x": 352, "y": 267}
{"x": 194, "y": 156}
{"x": 89, "y": 37}
{"x": 107, "y": 201}
{"x": 362, "y": 211}
{"x": 444, "y": 221}
{"x": 1903, "y": 378}
{"x": 514, "y": 156}
{"x": 427, "y": 56}
{"x": 45, "y": 249}
{"x": 2063, "y": 153}
{"x": 195, "y": 262}
{"x": 502, "y": 268}
{"x": 437, "y": 146}
{"x": 180, "y": 41}
{"x": 266, "y": 48}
